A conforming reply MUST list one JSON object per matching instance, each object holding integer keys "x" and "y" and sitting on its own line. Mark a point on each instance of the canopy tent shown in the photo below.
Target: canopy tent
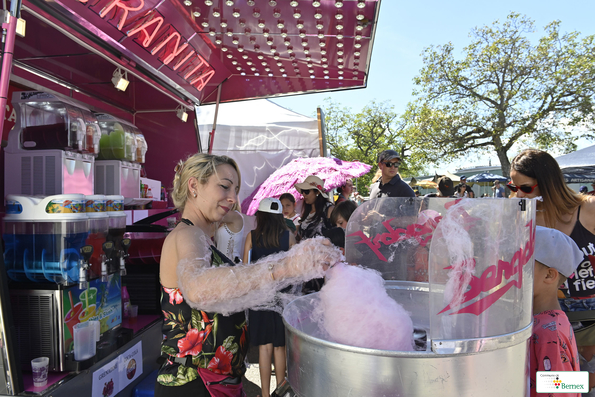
{"x": 260, "y": 136}
{"x": 486, "y": 178}
{"x": 579, "y": 166}
{"x": 427, "y": 184}
{"x": 453, "y": 177}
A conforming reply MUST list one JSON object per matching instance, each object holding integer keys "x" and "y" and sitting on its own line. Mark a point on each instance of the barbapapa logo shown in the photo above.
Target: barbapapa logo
{"x": 562, "y": 382}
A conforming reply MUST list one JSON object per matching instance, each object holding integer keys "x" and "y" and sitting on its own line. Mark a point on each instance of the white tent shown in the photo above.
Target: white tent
{"x": 579, "y": 166}
{"x": 260, "y": 136}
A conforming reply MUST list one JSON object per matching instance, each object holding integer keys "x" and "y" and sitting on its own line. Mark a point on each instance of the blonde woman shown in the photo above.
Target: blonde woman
{"x": 204, "y": 294}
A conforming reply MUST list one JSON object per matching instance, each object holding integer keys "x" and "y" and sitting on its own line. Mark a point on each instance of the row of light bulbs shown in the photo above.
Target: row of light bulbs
{"x": 287, "y": 42}
{"x": 277, "y": 12}
{"x": 273, "y": 3}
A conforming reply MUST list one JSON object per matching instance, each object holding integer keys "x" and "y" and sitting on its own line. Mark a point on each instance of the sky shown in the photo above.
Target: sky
{"x": 405, "y": 28}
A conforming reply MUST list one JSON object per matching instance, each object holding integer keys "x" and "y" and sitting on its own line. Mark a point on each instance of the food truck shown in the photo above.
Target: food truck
{"x": 101, "y": 99}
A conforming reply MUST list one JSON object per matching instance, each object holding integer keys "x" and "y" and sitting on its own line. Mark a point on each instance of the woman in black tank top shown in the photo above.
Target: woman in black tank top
{"x": 535, "y": 173}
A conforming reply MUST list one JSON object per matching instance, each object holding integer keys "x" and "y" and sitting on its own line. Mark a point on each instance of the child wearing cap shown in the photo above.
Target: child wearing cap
{"x": 553, "y": 347}
{"x": 270, "y": 236}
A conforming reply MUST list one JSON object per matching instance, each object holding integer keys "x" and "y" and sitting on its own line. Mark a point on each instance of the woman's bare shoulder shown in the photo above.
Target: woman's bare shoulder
{"x": 588, "y": 206}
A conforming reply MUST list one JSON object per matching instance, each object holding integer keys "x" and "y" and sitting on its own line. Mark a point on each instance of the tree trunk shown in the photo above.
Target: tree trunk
{"x": 504, "y": 162}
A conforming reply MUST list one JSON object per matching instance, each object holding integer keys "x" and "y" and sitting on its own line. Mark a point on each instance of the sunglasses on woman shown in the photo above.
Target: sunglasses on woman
{"x": 524, "y": 189}
{"x": 393, "y": 164}
{"x": 305, "y": 192}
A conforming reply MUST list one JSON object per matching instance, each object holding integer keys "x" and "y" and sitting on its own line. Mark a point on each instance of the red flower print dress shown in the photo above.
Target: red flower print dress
{"x": 215, "y": 342}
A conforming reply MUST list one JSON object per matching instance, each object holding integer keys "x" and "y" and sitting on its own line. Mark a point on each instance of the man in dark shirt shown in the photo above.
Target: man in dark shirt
{"x": 390, "y": 183}
{"x": 468, "y": 190}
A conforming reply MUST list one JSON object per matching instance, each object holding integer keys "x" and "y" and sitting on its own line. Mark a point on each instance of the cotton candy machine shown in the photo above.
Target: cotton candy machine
{"x": 463, "y": 269}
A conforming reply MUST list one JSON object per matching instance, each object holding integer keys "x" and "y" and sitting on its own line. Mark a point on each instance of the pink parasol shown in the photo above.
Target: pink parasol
{"x": 333, "y": 171}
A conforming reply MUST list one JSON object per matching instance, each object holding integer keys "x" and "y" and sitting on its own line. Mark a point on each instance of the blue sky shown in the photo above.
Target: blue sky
{"x": 405, "y": 28}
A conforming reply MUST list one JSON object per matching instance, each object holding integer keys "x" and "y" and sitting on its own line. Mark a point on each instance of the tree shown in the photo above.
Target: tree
{"x": 504, "y": 91}
{"x": 361, "y": 136}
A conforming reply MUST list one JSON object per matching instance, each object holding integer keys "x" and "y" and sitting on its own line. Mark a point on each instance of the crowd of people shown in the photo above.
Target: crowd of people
{"x": 207, "y": 287}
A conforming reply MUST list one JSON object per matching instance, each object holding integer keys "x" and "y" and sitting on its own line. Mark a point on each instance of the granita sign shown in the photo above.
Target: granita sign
{"x": 160, "y": 38}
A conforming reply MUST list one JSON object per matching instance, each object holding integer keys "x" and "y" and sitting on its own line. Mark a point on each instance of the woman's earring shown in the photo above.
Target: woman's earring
{"x": 194, "y": 193}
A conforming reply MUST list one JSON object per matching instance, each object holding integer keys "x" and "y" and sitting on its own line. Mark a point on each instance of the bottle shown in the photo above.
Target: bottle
{"x": 125, "y": 302}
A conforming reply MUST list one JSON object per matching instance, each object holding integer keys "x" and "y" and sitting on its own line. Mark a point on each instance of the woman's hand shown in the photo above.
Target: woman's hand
{"x": 313, "y": 256}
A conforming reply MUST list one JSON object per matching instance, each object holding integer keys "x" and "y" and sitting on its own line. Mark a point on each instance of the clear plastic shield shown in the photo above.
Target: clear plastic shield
{"x": 393, "y": 235}
{"x": 481, "y": 269}
{"x": 475, "y": 255}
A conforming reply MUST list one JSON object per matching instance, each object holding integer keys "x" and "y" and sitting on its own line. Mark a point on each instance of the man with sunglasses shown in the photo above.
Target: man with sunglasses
{"x": 390, "y": 183}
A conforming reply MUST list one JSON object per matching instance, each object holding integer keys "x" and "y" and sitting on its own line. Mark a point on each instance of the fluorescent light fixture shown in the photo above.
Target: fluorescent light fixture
{"x": 181, "y": 113}
{"x": 120, "y": 79}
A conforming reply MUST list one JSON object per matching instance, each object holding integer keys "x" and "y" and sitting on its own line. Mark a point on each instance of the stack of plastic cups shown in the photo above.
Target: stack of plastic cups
{"x": 98, "y": 230}
{"x": 117, "y": 228}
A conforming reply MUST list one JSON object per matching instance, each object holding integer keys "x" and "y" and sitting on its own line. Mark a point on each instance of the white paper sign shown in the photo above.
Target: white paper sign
{"x": 106, "y": 380}
{"x": 113, "y": 377}
{"x": 131, "y": 364}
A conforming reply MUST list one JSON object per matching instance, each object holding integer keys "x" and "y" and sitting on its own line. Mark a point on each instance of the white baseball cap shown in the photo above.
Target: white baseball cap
{"x": 555, "y": 249}
{"x": 270, "y": 205}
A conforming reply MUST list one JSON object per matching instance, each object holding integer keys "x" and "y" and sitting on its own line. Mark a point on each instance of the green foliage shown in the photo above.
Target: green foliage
{"x": 361, "y": 136}
{"x": 504, "y": 91}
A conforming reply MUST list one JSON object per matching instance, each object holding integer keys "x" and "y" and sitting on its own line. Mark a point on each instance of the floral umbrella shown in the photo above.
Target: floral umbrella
{"x": 332, "y": 171}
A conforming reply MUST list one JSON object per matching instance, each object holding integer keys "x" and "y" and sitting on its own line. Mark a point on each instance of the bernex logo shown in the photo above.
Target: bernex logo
{"x": 562, "y": 381}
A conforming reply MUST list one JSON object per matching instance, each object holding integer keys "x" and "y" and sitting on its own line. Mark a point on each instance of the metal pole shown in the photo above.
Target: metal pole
{"x": 9, "y": 26}
{"x": 215, "y": 119}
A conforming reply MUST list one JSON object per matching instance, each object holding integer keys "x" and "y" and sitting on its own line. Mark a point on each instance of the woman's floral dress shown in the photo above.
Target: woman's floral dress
{"x": 215, "y": 342}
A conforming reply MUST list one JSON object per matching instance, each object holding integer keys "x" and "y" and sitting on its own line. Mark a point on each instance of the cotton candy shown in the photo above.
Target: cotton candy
{"x": 354, "y": 309}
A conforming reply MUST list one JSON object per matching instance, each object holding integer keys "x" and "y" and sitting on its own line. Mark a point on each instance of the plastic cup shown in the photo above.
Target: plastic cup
{"x": 133, "y": 310}
{"x": 40, "y": 366}
{"x": 87, "y": 314}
